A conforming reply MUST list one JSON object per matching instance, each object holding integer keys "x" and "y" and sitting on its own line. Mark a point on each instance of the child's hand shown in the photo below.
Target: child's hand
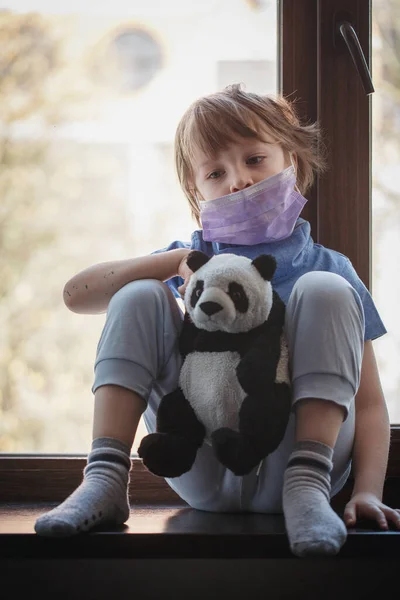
{"x": 185, "y": 273}
{"x": 368, "y": 506}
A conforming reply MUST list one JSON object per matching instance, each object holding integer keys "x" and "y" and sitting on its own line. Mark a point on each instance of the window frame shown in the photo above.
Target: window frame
{"x": 30, "y": 478}
{"x": 307, "y": 65}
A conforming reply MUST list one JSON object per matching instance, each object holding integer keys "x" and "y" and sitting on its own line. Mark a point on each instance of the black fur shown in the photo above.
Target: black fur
{"x": 198, "y": 290}
{"x": 172, "y": 450}
{"x": 196, "y": 259}
{"x": 263, "y": 422}
{"x": 210, "y": 308}
{"x": 238, "y": 296}
{"x": 265, "y": 265}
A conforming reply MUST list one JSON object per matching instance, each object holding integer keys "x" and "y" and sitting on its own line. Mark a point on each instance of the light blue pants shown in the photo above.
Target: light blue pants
{"x": 138, "y": 350}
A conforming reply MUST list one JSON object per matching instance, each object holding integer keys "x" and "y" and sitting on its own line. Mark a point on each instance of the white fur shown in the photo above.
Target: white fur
{"x": 282, "y": 368}
{"x": 217, "y": 396}
{"x": 217, "y": 274}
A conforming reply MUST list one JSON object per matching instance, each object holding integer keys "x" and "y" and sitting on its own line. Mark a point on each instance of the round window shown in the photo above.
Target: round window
{"x": 134, "y": 57}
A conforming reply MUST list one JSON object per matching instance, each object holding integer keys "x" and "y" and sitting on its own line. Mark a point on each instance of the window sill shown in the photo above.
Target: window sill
{"x": 174, "y": 532}
{"x": 47, "y": 478}
{"x": 161, "y": 525}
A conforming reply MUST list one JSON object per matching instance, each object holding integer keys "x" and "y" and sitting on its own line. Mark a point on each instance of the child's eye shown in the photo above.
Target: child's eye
{"x": 214, "y": 174}
{"x": 255, "y": 160}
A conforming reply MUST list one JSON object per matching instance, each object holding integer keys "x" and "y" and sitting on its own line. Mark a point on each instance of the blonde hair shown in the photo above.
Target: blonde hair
{"x": 213, "y": 122}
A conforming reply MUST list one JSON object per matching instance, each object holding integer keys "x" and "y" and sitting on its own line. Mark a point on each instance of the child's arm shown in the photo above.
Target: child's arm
{"x": 371, "y": 449}
{"x": 90, "y": 291}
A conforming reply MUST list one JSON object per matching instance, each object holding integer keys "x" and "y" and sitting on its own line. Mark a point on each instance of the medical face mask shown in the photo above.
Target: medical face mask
{"x": 264, "y": 212}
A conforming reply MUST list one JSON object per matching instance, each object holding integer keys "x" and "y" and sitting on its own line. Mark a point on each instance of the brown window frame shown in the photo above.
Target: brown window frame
{"x": 329, "y": 90}
{"x": 308, "y": 67}
{"x": 50, "y": 479}
{"x": 322, "y": 77}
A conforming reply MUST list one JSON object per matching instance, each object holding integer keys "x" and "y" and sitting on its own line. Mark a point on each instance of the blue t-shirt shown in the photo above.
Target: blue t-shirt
{"x": 295, "y": 256}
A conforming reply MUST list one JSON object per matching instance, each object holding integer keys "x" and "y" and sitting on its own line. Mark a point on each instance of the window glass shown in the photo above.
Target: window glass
{"x": 90, "y": 96}
{"x": 386, "y": 192}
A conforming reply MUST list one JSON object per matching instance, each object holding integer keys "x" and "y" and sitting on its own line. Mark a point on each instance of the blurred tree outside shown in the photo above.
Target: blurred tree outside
{"x": 47, "y": 353}
{"x": 30, "y": 56}
{"x": 386, "y": 73}
{"x": 386, "y": 198}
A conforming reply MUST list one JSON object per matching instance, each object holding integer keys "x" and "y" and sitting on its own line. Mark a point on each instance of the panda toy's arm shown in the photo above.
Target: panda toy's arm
{"x": 188, "y": 335}
{"x": 262, "y": 364}
{"x": 257, "y": 369}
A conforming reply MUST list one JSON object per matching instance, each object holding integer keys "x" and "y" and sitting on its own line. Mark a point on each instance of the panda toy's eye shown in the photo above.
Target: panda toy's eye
{"x": 198, "y": 290}
{"x": 239, "y": 297}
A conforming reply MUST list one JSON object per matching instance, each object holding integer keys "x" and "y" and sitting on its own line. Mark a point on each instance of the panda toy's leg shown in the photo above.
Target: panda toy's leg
{"x": 172, "y": 450}
{"x": 262, "y": 425}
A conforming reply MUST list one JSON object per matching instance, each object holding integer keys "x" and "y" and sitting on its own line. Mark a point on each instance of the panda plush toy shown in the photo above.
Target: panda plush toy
{"x": 233, "y": 390}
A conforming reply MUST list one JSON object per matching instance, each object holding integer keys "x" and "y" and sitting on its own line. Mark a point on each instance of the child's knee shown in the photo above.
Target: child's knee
{"x": 323, "y": 287}
{"x": 139, "y": 337}
{"x": 319, "y": 295}
{"x": 143, "y": 295}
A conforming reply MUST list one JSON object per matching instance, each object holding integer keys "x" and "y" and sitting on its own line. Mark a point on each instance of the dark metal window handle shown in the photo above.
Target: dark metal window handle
{"x": 345, "y": 30}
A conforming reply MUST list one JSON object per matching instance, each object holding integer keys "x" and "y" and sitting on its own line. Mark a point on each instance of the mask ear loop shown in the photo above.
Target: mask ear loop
{"x": 295, "y": 173}
{"x": 195, "y": 196}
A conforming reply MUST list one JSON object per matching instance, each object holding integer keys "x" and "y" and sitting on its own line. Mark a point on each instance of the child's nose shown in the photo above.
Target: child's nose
{"x": 240, "y": 183}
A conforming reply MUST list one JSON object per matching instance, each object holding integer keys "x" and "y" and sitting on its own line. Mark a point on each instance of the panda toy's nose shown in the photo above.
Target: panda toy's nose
{"x": 210, "y": 308}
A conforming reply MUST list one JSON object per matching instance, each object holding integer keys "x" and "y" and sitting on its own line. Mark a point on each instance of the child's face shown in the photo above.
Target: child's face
{"x": 240, "y": 165}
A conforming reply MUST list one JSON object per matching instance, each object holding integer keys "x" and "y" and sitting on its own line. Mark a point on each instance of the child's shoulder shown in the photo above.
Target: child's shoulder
{"x": 326, "y": 259}
{"x": 300, "y": 254}
{"x": 330, "y": 257}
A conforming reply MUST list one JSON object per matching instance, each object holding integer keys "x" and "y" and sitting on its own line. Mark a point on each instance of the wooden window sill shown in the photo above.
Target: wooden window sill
{"x": 161, "y": 525}
{"x": 51, "y": 478}
{"x": 174, "y": 532}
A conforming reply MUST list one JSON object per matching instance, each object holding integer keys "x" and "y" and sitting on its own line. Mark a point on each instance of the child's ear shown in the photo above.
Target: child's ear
{"x": 265, "y": 265}
{"x": 294, "y": 161}
{"x": 196, "y": 259}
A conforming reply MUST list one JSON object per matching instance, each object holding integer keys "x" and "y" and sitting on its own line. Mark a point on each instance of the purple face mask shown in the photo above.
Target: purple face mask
{"x": 264, "y": 212}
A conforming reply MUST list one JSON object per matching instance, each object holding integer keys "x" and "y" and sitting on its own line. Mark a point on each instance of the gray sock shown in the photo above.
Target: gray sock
{"x": 101, "y": 497}
{"x": 311, "y": 524}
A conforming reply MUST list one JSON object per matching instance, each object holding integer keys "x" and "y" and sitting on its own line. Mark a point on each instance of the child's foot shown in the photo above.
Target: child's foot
{"x": 101, "y": 497}
{"x": 312, "y": 525}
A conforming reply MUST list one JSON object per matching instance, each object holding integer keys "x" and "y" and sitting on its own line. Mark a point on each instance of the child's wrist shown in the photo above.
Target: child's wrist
{"x": 182, "y": 261}
{"x": 367, "y": 488}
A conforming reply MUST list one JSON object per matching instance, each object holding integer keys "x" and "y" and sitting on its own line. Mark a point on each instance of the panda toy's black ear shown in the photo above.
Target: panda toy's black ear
{"x": 196, "y": 259}
{"x": 265, "y": 265}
